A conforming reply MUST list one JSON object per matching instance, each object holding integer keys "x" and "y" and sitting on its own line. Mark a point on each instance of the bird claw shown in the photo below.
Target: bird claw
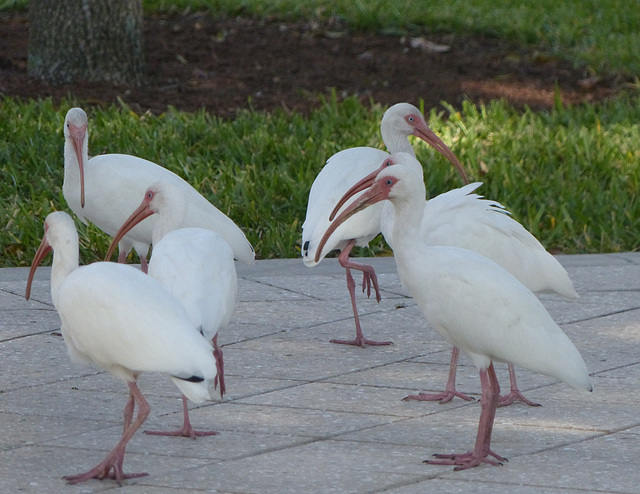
{"x": 222, "y": 386}
{"x": 444, "y": 397}
{"x": 110, "y": 468}
{"x": 369, "y": 278}
{"x": 467, "y": 460}
{"x": 184, "y": 432}
{"x": 515, "y": 395}
{"x": 220, "y": 377}
{"x": 361, "y": 342}
{"x": 217, "y": 353}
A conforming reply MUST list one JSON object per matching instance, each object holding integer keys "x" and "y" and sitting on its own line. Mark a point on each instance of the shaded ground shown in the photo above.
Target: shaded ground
{"x": 196, "y": 61}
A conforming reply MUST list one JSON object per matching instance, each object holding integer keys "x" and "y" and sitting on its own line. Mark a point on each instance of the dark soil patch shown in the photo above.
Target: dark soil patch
{"x": 196, "y": 61}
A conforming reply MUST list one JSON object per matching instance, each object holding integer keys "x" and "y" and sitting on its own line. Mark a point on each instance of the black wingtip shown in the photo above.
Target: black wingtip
{"x": 192, "y": 379}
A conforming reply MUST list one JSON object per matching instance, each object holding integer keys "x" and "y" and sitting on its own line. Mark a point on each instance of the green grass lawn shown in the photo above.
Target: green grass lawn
{"x": 569, "y": 175}
{"x": 602, "y": 35}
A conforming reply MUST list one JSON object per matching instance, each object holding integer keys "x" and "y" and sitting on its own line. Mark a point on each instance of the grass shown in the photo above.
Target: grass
{"x": 571, "y": 176}
{"x": 601, "y": 35}
{"x": 257, "y": 169}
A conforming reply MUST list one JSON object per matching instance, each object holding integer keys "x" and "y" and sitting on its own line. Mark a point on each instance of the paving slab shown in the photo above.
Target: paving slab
{"x": 305, "y": 415}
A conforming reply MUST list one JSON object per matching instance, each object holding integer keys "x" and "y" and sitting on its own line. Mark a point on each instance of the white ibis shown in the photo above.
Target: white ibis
{"x": 464, "y": 219}
{"x": 344, "y": 169}
{"x": 126, "y": 323}
{"x": 196, "y": 266}
{"x": 472, "y": 302}
{"x": 105, "y": 189}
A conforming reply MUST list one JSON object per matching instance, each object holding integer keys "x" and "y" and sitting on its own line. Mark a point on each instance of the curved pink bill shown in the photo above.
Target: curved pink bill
{"x": 427, "y": 135}
{"x": 363, "y": 184}
{"x": 377, "y": 192}
{"x": 77, "y": 138}
{"x": 42, "y": 251}
{"x": 430, "y": 137}
{"x": 143, "y": 211}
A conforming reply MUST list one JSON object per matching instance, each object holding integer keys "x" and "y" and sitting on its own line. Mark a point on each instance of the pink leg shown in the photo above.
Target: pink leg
{"x": 111, "y": 466}
{"x": 122, "y": 259}
{"x": 128, "y": 412}
{"x": 187, "y": 430}
{"x": 128, "y": 416}
{"x": 482, "y": 451}
{"x": 368, "y": 277}
{"x": 515, "y": 394}
{"x": 144, "y": 266}
{"x": 217, "y": 354}
{"x": 449, "y": 392}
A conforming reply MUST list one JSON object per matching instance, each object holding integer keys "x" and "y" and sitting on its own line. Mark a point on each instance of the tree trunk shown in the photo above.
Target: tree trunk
{"x": 86, "y": 40}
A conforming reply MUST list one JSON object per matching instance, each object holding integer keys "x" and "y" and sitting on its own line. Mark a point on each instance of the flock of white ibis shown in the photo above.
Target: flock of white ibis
{"x": 470, "y": 267}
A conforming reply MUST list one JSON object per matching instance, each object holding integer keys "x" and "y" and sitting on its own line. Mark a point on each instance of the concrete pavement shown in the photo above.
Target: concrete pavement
{"x": 303, "y": 415}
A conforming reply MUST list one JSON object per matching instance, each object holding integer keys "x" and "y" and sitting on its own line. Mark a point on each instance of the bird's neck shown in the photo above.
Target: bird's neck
{"x": 397, "y": 142}
{"x": 407, "y": 219}
{"x": 160, "y": 229}
{"x": 65, "y": 260}
{"x": 171, "y": 220}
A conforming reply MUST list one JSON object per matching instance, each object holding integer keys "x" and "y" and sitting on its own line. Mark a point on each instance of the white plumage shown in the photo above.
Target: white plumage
{"x": 464, "y": 219}
{"x": 195, "y": 265}
{"x": 341, "y": 171}
{"x": 125, "y": 322}
{"x": 105, "y": 189}
{"x": 471, "y": 301}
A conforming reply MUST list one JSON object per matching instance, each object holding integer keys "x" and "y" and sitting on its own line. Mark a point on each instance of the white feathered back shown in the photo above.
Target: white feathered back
{"x": 464, "y": 219}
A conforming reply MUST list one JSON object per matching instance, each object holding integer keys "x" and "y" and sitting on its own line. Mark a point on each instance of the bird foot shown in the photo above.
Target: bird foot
{"x": 110, "y": 467}
{"x": 184, "y": 432}
{"x": 515, "y": 395}
{"x": 217, "y": 353}
{"x": 467, "y": 460}
{"x": 220, "y": 379}
{"x": 445, "y": 397}
{"x": 369, "y": 279}
{"x": 362, "y": 342}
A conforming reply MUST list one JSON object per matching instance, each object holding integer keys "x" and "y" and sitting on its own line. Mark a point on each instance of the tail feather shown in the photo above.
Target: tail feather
{"x": 194, "y": 388}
